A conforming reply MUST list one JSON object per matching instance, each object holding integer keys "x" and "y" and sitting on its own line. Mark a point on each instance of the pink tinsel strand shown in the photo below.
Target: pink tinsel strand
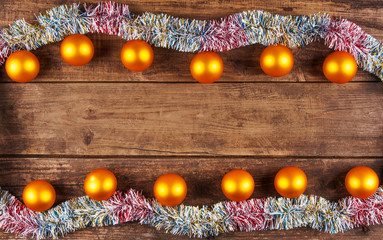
{"x": 108, "y": 17}
{"x": 248, "y": 215}
{"x": 343, "y": 35}
{"x": 364, "y": 212}
{"x": 224, "y": 35}
{"x": 129, "y": 206}
{"x": 4, "y": 50}
{"x": 18, "y": 219}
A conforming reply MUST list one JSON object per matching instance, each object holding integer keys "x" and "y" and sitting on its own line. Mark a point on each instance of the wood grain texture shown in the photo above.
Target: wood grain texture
{"x": 203, "y": 175}
{"x": 288, "y": 119}
{"x": 71, "y": 120}
{"x": 240, "y": 65}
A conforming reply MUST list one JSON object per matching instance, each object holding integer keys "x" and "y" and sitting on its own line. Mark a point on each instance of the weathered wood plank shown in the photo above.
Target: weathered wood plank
{"x": 203, "y": 176}
{"x": 241, "y": 65}
{"x": 286, "y": 119}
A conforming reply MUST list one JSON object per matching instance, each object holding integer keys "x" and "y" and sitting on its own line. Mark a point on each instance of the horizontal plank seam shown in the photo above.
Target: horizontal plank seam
{"x": 46, "y": 156}
{"x": 4, "y": 187}
{"x": 169, "y": 82}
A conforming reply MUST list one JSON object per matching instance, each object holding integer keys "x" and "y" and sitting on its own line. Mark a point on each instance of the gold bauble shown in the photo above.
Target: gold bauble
{"x": 340, "y": 67}
{"x": 22, "y": 66}
{"x": 362, "y": 182}
{"x": 276, "y": 60}
{"x": 77, "y": 49}
{"x": 206, "y": 67}
{"x": 237, "y": 185}
{"x": 39, "y": 195}
{"x": 100, "y": 184}
{"x": 290, "y": 182}
{"x": 137, "y": 55}
{"x": 170, "y": 189}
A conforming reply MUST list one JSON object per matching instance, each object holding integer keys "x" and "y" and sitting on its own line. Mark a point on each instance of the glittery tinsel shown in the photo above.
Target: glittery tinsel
{"x": 207, "y": 221}
{"x": 190, "y": 35}
{"x": 248, "y": 215}
{"x": 192, "y": 221}
{"x": 364, "y": 212}
{"x": 109, "y": 17}
{"x": 52, "y": 26}
{"x": 343, "y": 35}
{"x": 307, "y": 211}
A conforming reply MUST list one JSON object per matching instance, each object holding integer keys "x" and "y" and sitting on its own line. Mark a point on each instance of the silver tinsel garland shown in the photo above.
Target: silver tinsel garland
{"x": 207, "y": 221}
{"x": 190, "y": 35}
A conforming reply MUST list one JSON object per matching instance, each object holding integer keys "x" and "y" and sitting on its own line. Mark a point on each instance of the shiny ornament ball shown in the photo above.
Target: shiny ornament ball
{"x": 77, "y": 49}
{"x": 137, "y": 55}
{"x": 340, "y": 67}
{"x": 362, "y": 182}
{"x": 276, "y": 60}
{"x": 290, "y": 182}
{"x": 39, "y": 195}
{"x": 22, "y": 66}
{"x": 237, "y": 185}
{"x": 206, "y": 67}
{"x": 170, "y": 189}
{"x": 100, "y": 184}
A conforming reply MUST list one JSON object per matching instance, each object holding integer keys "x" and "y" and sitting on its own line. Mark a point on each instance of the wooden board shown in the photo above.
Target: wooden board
{"x": 71, "y": 120}
{"x": 277, "y": 119}
{"x": 203, "y": 174}
{"x": 240, "y": 65}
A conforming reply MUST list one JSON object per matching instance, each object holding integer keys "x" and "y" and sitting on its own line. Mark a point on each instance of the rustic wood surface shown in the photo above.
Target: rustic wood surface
{"x": 71, "y": 120}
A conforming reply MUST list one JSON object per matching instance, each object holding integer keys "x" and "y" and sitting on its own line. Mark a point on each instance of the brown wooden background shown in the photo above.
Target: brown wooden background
{"x": 71, "y": 120}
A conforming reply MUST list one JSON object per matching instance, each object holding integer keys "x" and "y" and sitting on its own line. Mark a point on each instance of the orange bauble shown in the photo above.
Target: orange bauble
{"x": 77, "y": 49}
{"x": 170, "y": 189}
{"x": 206, "y": 67}
{"x": 237, "y": 185}
{"x": 276, "y": 60}
{"x": 100, "y": 184}
{"x": 137, "y": 55}
{"x": 39, "y": 195}
{"x": 290, "y": 182}
{"x": 340, "y": 67}
{"x": 22, "y": 66}
{"x": 362, "y": 182}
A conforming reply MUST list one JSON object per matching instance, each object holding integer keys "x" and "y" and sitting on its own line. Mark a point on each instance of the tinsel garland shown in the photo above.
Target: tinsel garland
{"x": 189, "y": 35}
{"x": 269, "y": 213}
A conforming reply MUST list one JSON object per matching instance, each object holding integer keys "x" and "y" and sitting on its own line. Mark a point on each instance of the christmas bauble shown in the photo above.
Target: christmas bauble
{"x": 362, "y": 182}
{"x": 137, "y": 55}
{"x": 340, "y": 67}
{"x": 276, "y": 60}
{"x": 77, "y": 49}
{"x": 290, "y": 182}
{"x": 22, "y": 66}
{"x": 39, "y": 195}
{"x": 100, "y": 184}
{"x": 170, "y": 189}
{"x": 206, "y": 67}
{"x": 237, "y": 185}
